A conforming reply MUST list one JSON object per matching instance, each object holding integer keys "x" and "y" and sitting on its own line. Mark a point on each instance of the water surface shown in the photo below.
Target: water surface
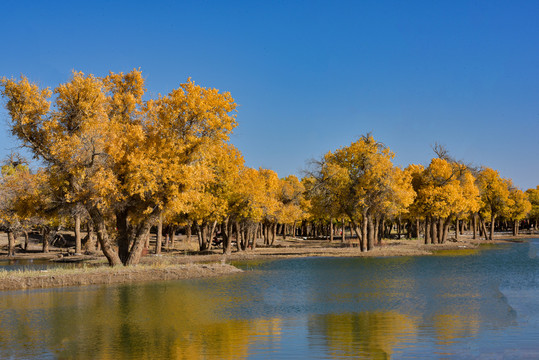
{"x": 482, "y": 304}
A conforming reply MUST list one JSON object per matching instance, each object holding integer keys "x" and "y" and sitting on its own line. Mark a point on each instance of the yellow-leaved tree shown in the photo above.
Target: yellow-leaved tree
{"x": 123, "y": 158}
{"x": 518, "y": 207}
{"x": 445, "y": 190}
{"x": 494, "y": 197}
{"x": 365, "y": 184}
{"x": 533, "y": 197}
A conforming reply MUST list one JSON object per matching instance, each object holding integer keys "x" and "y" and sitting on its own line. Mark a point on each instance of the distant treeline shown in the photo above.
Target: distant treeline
{"x": 120, "y": 165}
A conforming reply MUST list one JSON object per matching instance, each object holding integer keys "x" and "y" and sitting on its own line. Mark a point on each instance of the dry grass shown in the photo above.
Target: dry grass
{"x": 59, "y": 277}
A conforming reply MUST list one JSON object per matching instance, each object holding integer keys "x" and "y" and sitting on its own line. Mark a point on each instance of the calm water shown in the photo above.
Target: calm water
{"x": 480, "y": 305}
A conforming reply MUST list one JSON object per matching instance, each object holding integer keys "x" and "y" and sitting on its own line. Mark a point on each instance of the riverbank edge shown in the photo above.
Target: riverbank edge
{"x": 59, "y": 277}
{"x": 177, "y": 267}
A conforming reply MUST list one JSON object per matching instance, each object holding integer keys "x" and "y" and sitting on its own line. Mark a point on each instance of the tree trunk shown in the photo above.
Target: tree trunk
{"x": 457, "y": 229}
{"x": 188, "y": 232}
{"x": 330, "y": 230}
{"x": 273, "y": 233}
{"x": 91, "y": 241}
{"x": 433, "y": 231}
{"x": 492, "y": 224}
{"x": 11, "y": 243}
{"x": 167, "y": 236}
{"x": 483, "y": 228}
{"x": 364, "y": 230}
{"x": 78, "y": 238}
{"x": 440, "y": 230}
{"x": 173, "y": 237}
{"x": 356, "y": 229}
{"x": 253, "y": 244}
{"x": 370, "y": 233}
{"x": 343, "y": 235}
{"x": 377, "y": 236}
{"x": 139, "y": 236}
{"x": 103, "y": 238}
{"x": 227, "y": 241}
{"x": 474, "y": 225}
{"x": 46, "y": 240}
{"x": 147, "y": 241}
{"x": 123, "y": 235}
{"x": 427, "y": 230}
{"x": 446, "y": 223}
{"x": 159, "y": 241}
{"x": 238, "y": 235}
{"x": 26, "y": 240}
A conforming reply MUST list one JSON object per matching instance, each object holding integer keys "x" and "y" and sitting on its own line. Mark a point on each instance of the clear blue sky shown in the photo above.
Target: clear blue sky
{"x": 312, "y": 76}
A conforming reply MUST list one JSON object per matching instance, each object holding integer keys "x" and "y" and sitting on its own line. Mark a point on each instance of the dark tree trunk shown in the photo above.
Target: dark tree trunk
{"x": 474, "y": 225}
{"x": 358, "y": 232}
{"x": 492, "y": 225}
{"x": 78, "y": 238}
{"x": 159, "y": 241}
{"x": 440, "y": 231}
{"x": 433, "y": 231}
{"x": 343, "y": 235}
{"x": 238, "y": 235}
{"x": 377, "y": 236}
{"x": 427, "y": 230}
{"x": 227, "y": 241}
{"x": 483, "y": 228}
{"x": 457, "y": 228}
{"x": 253, "y": 244}
{"x": 173, "y": 236}
{"x": 103, "y": 238}
{"x": 123, "y": 235}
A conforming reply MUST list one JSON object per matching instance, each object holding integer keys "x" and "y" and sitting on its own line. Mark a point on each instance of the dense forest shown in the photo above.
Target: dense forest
{"x": 117, "y": 165}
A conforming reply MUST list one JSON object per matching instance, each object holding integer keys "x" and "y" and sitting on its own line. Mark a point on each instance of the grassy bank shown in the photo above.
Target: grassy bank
{"x": 59, "y": 277}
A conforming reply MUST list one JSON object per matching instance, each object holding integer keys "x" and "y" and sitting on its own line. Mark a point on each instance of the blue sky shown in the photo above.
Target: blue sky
{"x": 312, "y": 76}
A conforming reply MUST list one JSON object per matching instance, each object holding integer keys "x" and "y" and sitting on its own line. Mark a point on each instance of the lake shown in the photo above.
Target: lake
{"x": 468, "y": 304}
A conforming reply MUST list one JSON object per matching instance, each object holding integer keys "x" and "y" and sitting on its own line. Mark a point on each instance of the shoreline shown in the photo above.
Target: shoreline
{"x": 58, "y": 277}
{"x": 177, "y": 266}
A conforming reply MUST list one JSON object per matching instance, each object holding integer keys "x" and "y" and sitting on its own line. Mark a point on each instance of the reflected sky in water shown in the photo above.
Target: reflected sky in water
{"x": 478, "y": 305}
